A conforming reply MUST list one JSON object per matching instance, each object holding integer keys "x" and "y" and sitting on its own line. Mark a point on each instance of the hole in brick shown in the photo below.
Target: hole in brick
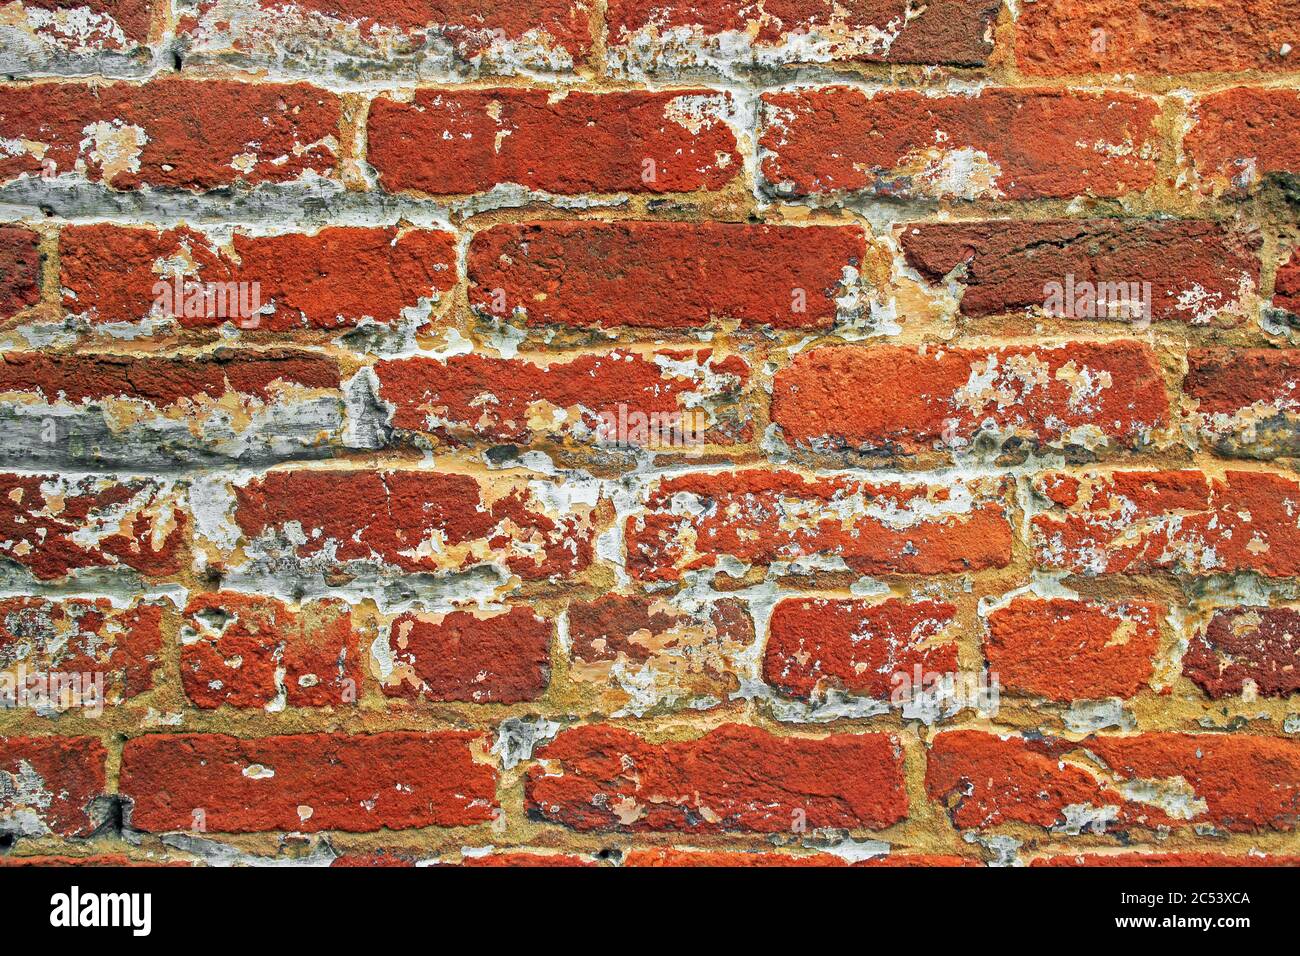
{"x": 502, "y": 454}
{"x": 112, "y": 813}
{"x": 215, "y": 618}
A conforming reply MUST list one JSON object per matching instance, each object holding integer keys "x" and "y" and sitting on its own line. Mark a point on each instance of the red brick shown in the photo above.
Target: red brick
{"x": 1162, "y": 37}
{"x": 1181, "y": 521}
{"x": 735, "y": 778}
{"x": 530, "y": 860}
{"x": 673, "y": 858}
{"x": 1196, "y": 270}
{"x": 643, "y": 653}
{"x": 816, "y": 645}
{"x": 998, "y": 143}
{"x": 84, "y": 636}
{"x": 85, "y": 26}
{"x": 760, "y": 517}
{"x": 171, "y": 134}
{"x": 1256, "y": 646}
{"x": 99, "y": 859}
{"x": 386, "y": 517}
{"x": 663, "y": 274}
{"x": 1247, "y": 403}
{"x": 398, "y": 858}
{"x": 905, "y": 401}
{"x": 306, "y": 783}
{"x": 896, "y": 860}
{"x": 112, "y": 274}
{"x": 1065, "y": 650}
{"x": 615, "y": 625}
{"x": 667, "y": 857}
{"x": 252, "y": 651}
{"x": 164, "y": 381}
{"x": 668, "y": 398}
{"x": 140, "y": 411}
{"x": 1178, "y": 859}
{"x": 1227, "y": 381}
{"x": 483, "y": 35}
{"x": 660, "y": 36}
{"x": 1243, "y": 136}
{"x": 20, "y": 270}
{"x": 467, "y": 656}
{"x": 468, "y": 141}
{"x": 1237, "y": 783}
{"x": 1286, "y": 292}
{"x": 52, "y": 526}
{"x": 385, "y": 858}
{"x": 47, "y": 785}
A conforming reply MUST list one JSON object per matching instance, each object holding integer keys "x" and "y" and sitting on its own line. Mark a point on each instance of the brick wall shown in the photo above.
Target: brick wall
{"x": 614, "y": 431}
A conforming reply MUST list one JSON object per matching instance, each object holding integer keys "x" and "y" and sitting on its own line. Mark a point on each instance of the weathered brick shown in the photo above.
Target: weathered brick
{"x": 1139, "y": 522}
{"x": 896, "y": 860}
{"x": 1246, "y": 400}
{"x": 49, "y": 785}
{"x": 171, "y": 133}
{"x": 1177, "y": 859}
{"x": 816, "y": 646}
{"x": 515, "y": 860}
{"x": 643, "y": 654}
{"x": 765, "y": 518}
{"x": 408, "y": 521}
{"x": 893, "y": 401}
{"x": 1242, "y": 137}
{"x": 594, "y": 410}
{"x": 468, "y": 141}
{"x": 98, "y": 859}
{"x": 735, "y": 778}
{"x": 88, "y": 24}
{"x": 1195, "y": 271}
{"x": 654, "y": 36}
{"x": 1253, "y": 650}
{"x": 163, "y": 381}
{"x": 83, "y": 637}
{"x": 52, "y": 526}
{"x": 663, "y": 400}
{"x": 667, "y": 857}
{"x": 36, "y": 32}
{"x": 1067, "y": 37}
{"x": 1237, "y": 783}
{"x": 20, "y": 270}
{"x": 426, "y": 37}
{"x": 1286, "y": 291}
{"x": 470, "y": 858}
{"x": 1065, "y": 650}
{"x": 250, "y": 651}
{"x": 478, "y": 658}
{"x": 306, "y": 782}
{"x": 994, "y": 144}
{"x": 333, "y": 278}
{"x": 384, "y": 858}
{"x": 662, "y": 274}
{"x": 110, "y": 410}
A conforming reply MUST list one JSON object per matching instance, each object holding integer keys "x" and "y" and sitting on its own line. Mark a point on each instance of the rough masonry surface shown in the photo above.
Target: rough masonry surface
{"x": 615, "y": 432}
